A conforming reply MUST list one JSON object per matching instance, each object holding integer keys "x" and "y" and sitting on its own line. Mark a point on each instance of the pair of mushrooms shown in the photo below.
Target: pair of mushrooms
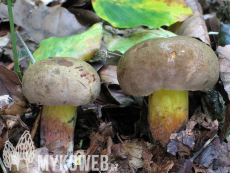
{"x": 163, "y": 69}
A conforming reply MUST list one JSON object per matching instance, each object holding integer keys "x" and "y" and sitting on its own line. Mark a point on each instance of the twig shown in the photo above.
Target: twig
{"x": 11, "y": 65}
{"x": 202, "y": 148}
{"x": 16, "y": 66}
{"x": 109, "y": 52}
{"x": 25, "y": 46}
{"x": 213, "y": 33}
{"x": 119, "y": 138}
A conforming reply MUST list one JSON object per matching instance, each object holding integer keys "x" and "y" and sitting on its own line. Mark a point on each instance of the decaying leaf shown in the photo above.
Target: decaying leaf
{"x": 134, "y": 153}
{"x": 215, "y": 158}
{"x": 179, "y": 143}
{"x": 115, "y": 92}
{"x": 209, "y": 154}
{"x": 195, "y": 26}
{"x": 11, "y": 101}
{"x": 98, "y": 139}
{"x": 12, "y": 121}
{"x": 81, "y": 46}
{"x": 184, "y": 142}
{"x": 194, "y": 6}
{"x": 43, "y": 22}
{"x": 224, "y": 60}
{"x": 225, "y": 129}
{"x": 213, "y": 25}
{"x": 214, "y": 106}
{"x": 127, "y": 14}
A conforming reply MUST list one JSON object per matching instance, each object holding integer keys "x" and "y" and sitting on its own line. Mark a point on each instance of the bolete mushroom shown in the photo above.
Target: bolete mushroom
{"x": 60, "y": 84}
{"x": 165, "y": 69}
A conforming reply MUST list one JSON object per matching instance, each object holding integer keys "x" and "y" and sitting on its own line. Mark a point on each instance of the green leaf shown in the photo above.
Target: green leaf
{"x": 115, "y": 42}
{"x": 151, "y": 13}
{"x": 80, "y": 46}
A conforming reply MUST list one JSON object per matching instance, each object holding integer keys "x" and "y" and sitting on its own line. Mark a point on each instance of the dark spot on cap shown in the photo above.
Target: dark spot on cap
{"x": 94, "y": 78}
{"x": 78, "y": 67}
{"x": 64, "y": 62}
{"x": 83, "y": 75}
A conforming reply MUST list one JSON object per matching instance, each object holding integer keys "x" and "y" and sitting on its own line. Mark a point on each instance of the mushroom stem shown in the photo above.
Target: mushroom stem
{"x": 168, "y": 112}
{"x": 57, "y": 123}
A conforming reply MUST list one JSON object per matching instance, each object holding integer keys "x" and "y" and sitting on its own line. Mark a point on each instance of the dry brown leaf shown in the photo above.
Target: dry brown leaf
{"x": 10, "y": 85}
{"x": 162, "y": 167}
{"x": 181, "y": 143}
{"x": 108, "y": 74}
{"x": 12, "y": 121}
{"x": 98, "y": 140}
{"x": 135, "y": 154}
{"x": 2, "y": 125}
{"x": 201, "y": 119}
{"x": 194, "y": 5}
{"x": 85, "y": 17}
{"x": 184, "y": 142}
{"x": 115, "y": 92}
{"x": 224, "y": 60}
{"x": 2, "y": 140}
{"x": 213, "y": 25}
{"x": 220, "y": 164}
{"x": 43, "y": 22}
{"x": 209, "y": 154}
{"x": 195, "y": 26}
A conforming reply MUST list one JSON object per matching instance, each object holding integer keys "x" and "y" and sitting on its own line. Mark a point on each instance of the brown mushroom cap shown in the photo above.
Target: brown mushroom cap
{"x": 175, "y": 63}
{"x": 61, "y": 81}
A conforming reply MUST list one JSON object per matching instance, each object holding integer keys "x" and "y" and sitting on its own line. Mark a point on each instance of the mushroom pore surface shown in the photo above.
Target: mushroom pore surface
{"x": 174, "y": 63}
{"x": 61, "y": 81}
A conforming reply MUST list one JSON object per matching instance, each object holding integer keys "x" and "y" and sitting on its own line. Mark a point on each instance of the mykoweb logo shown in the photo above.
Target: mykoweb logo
{"x": 25, "y": 151}
{"x": 80, "y": 162}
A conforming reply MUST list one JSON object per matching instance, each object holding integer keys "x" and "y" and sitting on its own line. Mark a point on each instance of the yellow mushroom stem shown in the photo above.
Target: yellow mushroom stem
{"x": 58, "y": 123}
{"x": 168, "y": 112}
